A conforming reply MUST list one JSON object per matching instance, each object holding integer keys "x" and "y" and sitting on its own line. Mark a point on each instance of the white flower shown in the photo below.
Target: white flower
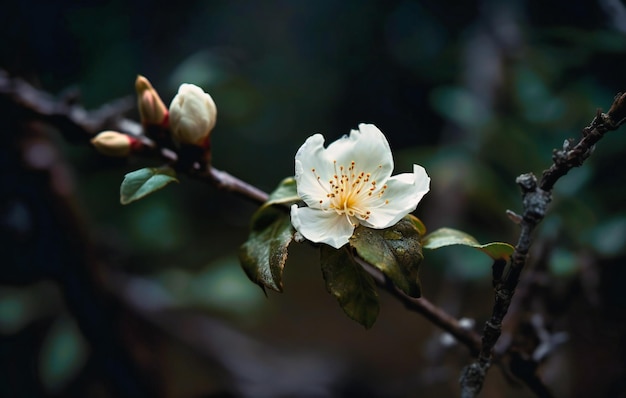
{"x": 192, "y": 115}
{"x": 349, "y": 183}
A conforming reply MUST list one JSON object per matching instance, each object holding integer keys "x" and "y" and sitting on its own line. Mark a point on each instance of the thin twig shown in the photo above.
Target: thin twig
{"x": 424, "y": 307}
{"x": 535, "y": 198}
{"x": 78, "y": 124}
{"x": 228, "y": 182}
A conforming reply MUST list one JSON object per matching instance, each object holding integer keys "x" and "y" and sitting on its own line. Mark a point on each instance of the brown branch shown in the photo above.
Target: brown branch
{"x": 570, "y": 157}
{"x": 430, "y": 311}
{"x": 64, "y": 114}
{"x": 227, "y": 182}
{"x": 78, "y": 124}
{"x": 536, "y": 195}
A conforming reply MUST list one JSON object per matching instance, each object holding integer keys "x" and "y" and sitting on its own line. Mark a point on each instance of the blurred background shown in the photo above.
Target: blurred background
{"x": 103, "y": 300}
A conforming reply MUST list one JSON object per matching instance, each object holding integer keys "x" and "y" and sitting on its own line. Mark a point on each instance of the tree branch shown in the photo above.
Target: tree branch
{"x": 77, "y": 124}
{"x": 535, "y": 199}
{"x": 427, "y": 309}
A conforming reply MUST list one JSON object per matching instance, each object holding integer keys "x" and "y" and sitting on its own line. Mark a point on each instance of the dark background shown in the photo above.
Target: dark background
{"x": 477, "y": 92}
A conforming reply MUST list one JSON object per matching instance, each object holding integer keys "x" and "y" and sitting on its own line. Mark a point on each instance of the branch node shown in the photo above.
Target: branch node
{"x": 535, "y": 204}
{"x": 503, "y": 294}
{"x": 494, "y": 327}
{"x": 527, "y": 182}
{"x": 608, "y": 121}
{"x": 618, "y": 108}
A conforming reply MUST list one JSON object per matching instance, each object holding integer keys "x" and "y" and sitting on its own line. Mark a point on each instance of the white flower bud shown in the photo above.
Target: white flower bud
{"x": 192, "y": 115}
{"x": 112, "y": 143}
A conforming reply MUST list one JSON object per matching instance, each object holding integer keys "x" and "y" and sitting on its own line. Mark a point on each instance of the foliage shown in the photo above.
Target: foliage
{"x": 348, "y": 282}
{"x": 395, "y": 251}
{"x": 143, "y": 182}
{"x": 449, "y": 237}
{"x": 264, "y": 254}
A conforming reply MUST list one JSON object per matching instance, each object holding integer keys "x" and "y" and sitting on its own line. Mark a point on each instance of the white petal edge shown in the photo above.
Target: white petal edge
{"x": 367, "y": 147}
{"x": 404, "y": 192}
{"x": 321, "y": 226}
{"x": 311, "y": 155}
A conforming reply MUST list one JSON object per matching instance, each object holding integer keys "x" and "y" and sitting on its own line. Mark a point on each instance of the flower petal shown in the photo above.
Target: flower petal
{"x": 321, "y": 226}
{"x": 368, "y": 148}
{"x": 404, "y": 191}
{"x": 312, "y": 156}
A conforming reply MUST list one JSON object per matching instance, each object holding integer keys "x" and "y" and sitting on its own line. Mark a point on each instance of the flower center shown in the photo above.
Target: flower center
{"x": 351, "y": 192}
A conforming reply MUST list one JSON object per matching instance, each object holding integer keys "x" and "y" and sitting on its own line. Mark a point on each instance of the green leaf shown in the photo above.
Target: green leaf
{"x": 417, "y": 223}
{"x": 351, "y": 285}
{"x": 448, "y": 237}
{"x": 396, "y": 251}
{"x": 285, "y": 193}
{"x": 264, "y": 254}
{"x": 142, "y": 182}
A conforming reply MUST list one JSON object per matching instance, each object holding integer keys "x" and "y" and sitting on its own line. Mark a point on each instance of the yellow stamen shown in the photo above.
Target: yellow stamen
{"x": 349, "y": 192}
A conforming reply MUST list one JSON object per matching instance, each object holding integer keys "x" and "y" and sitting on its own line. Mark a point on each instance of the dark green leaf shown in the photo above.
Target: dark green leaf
{"x": 448, "y": 236}
{"x": 351, "y": 285}
{"x": 417, "y": 223}
{"x": 285, "y": 193}
{"x": 396, "y": 251}
{"x": 264, "y": 254}
{"x": 142, "y": 182}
